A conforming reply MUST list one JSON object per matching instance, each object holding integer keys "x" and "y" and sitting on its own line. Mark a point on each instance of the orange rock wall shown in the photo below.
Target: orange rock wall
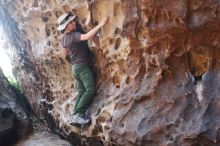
{"x": 157, "y": 69}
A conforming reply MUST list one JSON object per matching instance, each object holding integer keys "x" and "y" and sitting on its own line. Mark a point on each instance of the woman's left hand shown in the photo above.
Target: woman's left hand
{"x": 104, "y": 21}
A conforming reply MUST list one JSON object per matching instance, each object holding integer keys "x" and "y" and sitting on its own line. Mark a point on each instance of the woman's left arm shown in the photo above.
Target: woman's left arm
{"x": 92, "y": 32}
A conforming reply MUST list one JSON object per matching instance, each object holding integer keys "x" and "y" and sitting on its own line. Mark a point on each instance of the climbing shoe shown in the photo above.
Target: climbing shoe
{"x": 79, "y": 119}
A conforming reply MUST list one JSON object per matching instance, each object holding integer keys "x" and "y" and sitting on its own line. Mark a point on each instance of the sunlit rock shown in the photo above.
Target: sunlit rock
{"x": 150, "y": 58}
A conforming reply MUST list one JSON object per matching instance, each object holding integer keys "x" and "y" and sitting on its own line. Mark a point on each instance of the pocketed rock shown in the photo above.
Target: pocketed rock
{"x": 157, "y": 69}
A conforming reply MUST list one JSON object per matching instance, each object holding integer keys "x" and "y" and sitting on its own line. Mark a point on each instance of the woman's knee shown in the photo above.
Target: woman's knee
{"x": 91, "y": 91}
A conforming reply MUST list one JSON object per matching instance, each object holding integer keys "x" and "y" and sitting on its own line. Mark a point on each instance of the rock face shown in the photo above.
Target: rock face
{"x": 14, "y": 121}
{"x": 43, "y": 138}
{"x": 157, "y": 69}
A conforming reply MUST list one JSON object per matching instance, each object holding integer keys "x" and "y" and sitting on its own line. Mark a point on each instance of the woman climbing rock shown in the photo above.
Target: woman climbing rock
{"x": 74, "y": 42}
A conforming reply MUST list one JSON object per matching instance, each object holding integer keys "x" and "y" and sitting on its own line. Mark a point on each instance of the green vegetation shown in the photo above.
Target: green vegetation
{"x": 14, "y": 83}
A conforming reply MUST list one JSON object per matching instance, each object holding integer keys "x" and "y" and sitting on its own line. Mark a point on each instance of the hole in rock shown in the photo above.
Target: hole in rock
{"x": 128, "y": 79}
{"x": 48, "y": 43}
{"x": 104, "y": 116}
{"x": 67, "y": 8}
{"x": 64, "y": 91}
{"x": 117, "y": 43}
{"x": 67, "y": 107}
{"x": 72, "y": 86}
{"x": 149, "y": 22}
{"x": 83, "y": 21}
{"x": 117, "y": 30}
{"x": 58, "y": 13}
{"x": 110, "y": 120}
{"x": 50, "y": 106}
{"x": 116, "y": 80}
{"x": 106, "y": 128}
{"x": 111, "y": 41}
{"x": 98, "y": 111}
{"x": 35, "y": 4}
{"x": 121, "y": 125}
{"x": 177, "y": 20}
{"x": 97, "y": 129}
{"x": 101, "y": 119}
{"x": 95, "y": 23}
{"x": 45, "y": 19}
{"x": 24, "y": 8}
{"x": 48, "y": 32}
{"x": 49, "y": 95}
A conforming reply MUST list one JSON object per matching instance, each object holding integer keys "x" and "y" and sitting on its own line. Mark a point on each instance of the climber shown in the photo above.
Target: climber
{"x": 74, "y": 42}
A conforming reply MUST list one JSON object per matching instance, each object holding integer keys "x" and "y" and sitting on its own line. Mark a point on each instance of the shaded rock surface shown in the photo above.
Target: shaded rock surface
{"x": 157, "y": 69}
{"x": 14, "y": 120}
{"x": 43, "y": 138}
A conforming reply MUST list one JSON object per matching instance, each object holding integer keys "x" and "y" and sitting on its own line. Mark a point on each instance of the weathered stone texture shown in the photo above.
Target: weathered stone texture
{"x": 14, "y": 121}
{"x": 157, "y": 69}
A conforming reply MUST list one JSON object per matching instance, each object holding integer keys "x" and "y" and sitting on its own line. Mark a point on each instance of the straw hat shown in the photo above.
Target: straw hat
{"x": 64, "y": 19}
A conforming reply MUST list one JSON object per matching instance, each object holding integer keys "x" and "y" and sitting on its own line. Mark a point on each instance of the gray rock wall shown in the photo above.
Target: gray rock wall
{"x": 14, "y": 121}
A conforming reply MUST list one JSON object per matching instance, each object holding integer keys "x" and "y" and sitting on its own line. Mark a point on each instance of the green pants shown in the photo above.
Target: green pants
{"x": 85, "y": 87}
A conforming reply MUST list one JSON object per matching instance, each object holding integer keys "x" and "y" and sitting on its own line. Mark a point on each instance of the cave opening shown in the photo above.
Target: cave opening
{"x": 5, "y": 62}
{"x": 6, "y": 57}
{"x": 6, "y": 39}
